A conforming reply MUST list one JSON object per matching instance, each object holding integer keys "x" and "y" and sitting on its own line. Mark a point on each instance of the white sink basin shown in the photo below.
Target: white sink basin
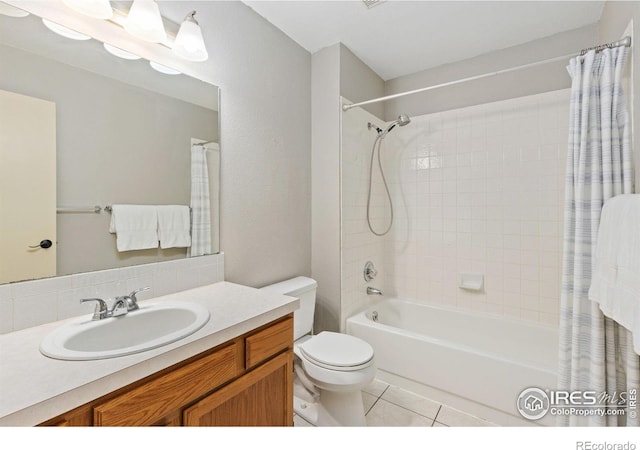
{"x": 149, "y": 327}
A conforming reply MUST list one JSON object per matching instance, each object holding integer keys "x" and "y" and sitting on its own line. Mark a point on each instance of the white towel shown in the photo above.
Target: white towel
{"x": 136, "y": 226}
{"x": 615, "y": 283}
{"x": 174, "y": 225}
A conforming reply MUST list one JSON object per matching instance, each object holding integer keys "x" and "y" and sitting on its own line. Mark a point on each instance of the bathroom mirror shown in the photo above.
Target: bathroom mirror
{"x": 120, "y": 132}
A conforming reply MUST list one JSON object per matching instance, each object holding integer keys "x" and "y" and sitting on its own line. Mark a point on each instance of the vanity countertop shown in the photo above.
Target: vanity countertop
{"x": 35, "y": 388}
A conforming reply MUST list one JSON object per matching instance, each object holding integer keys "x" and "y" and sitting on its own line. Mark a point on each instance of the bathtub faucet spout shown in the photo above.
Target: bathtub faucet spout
{"x": 373, "y": 291}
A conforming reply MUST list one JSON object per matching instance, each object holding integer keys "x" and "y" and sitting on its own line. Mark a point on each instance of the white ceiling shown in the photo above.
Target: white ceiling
{"x": 397, "y": 38}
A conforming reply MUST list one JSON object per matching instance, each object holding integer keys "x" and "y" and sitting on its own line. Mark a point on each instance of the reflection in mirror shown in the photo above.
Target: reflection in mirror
{"x": 80, "y": 128}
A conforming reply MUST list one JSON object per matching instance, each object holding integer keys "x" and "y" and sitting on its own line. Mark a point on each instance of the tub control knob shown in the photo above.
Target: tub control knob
{"x": 369, "y": 271}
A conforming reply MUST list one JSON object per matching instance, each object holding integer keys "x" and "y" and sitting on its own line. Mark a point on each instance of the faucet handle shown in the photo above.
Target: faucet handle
{"x": 137, "y": 291}
{"x": 101, "y": 309}
{"x": 132, "y": 303}
{"x": 120, "y": 307}
{"x": 370, "y": 272}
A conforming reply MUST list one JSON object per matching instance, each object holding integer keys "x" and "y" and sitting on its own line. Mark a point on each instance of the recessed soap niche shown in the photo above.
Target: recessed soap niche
{"x": 472, "y": 282}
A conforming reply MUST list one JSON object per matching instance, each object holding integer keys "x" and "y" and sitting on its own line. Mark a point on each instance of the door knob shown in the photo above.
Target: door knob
{"x": 46, "y": 243}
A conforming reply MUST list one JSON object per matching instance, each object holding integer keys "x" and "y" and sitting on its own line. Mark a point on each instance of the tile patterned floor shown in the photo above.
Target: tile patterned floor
{"x": 388, "y": 406}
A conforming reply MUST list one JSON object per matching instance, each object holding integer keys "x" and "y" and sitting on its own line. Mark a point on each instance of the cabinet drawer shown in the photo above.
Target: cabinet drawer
{"x": 265, "y": 343}
{"x": 154, "y": 400}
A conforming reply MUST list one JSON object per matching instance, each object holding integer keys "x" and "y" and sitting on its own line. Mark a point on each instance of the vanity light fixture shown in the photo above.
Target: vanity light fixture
{"x": 64, "y": 31}
{"x": 100, "y": 9}
{"x": 115, "y": 51}
{"x": 12, "y": 11}
{"x": 189, "y": 43}
{"x": 145, "y": 22}
{"x": 164, "y": 69}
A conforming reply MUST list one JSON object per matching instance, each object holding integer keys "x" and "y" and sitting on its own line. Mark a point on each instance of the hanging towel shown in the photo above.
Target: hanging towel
{"x": 615, "y": 284}
{"x": 136, "y": 226}
{"x": 174, "y": 225}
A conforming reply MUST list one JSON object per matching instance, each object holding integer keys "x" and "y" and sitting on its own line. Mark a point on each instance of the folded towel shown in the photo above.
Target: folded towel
{"x": 136, "y": 226}
{"x": 174, "y": 225}
{"x": 615, "y": 283}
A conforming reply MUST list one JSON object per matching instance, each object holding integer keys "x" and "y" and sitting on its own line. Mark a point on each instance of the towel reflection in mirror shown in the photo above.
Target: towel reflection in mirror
{"x": 140, "y": 227}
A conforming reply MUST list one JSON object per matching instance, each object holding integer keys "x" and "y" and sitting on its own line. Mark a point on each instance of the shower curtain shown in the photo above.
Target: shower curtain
{"x": 200, "y": 205}
{"x": 595, "y": 352}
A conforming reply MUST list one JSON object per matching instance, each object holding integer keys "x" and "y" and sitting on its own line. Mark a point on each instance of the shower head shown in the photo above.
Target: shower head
{"x": 402, "y": 120}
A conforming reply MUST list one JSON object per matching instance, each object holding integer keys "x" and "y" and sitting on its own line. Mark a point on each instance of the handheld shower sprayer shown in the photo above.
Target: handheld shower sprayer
{"x": 402, "y": 120}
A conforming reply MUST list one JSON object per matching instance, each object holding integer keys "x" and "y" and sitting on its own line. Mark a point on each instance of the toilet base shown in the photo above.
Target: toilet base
{"x": 345, "y": 408}
{"x": 331, "y": 409}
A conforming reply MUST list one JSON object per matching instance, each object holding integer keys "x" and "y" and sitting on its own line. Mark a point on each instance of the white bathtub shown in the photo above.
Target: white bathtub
{"x": 476, "y": 358}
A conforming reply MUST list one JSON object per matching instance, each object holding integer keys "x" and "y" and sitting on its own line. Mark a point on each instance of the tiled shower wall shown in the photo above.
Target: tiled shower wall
{"x": 358, "y": 244}
{"x": 475, "y": 190}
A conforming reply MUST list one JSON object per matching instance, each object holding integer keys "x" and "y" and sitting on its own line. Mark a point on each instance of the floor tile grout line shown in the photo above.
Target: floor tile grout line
{"x": 436, "y": 417}
{"x": 409, "y": 409}
{"x": 376, "y": 400}
{"x": 405, "y": 408}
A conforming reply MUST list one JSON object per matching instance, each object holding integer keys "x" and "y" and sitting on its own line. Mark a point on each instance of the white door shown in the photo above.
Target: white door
{"x": 27, "y": 187}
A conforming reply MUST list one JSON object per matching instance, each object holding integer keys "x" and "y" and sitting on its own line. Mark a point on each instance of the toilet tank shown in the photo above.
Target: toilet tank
{"x": 303, "y": 288}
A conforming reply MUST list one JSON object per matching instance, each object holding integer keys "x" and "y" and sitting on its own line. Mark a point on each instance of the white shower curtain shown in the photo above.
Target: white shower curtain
{"x": 595, "y": 352}
{"x": 200, "y": 205}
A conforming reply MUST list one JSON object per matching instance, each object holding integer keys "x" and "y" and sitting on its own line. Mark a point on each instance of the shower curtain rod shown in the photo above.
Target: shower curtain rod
{"x": 626, "y": 41}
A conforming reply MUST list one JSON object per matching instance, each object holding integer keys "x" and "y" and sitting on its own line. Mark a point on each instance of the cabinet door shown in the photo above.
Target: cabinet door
{"x": 155, "y": 401}
{"x": 262, "y": 397}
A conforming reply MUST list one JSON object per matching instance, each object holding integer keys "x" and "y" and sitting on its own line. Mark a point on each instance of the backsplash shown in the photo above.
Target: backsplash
{"x": 31, "y": 303}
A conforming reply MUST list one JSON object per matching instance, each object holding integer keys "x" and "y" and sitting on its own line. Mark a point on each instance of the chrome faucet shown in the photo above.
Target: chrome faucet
{"x": 121, "y": 306}
{"x": 101, "y": 311}
{"x": 373, "y": 291}
{"x": 131, "y": 300}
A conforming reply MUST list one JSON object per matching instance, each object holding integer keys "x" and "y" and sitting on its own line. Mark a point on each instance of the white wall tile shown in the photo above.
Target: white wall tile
{"x": 6, "y": 309}
{"x": 31, "y": 303}
{"x": 490, "y": 197}
{"x": 33, "y": 310}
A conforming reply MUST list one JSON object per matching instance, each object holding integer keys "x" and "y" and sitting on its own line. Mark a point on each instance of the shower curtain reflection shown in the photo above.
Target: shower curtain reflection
{"x": 200, "y": 204}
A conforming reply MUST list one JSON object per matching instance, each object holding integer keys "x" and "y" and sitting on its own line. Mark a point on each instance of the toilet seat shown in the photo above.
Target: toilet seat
{"x": 336, "y": 351}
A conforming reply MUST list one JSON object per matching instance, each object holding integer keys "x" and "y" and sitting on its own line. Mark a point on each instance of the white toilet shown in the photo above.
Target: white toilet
{"x": 330, "y": 368}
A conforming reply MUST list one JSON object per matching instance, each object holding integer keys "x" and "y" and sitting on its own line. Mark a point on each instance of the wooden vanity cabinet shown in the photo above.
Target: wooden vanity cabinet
{"x": 247, "y": 381}
{"x": 259, "y": 398}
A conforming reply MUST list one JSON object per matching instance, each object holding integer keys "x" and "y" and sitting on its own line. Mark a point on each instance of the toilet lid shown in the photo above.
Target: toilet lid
{"x": 337, "y": 350}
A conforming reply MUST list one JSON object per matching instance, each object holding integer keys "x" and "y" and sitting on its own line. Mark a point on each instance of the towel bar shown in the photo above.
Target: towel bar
{"x": 109, "y": 209}
{"x": 79, "y": 209}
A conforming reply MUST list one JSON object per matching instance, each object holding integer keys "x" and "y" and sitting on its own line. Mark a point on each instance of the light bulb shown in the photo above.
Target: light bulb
{"x": 144, "y": 21}
{"x": 164, "y": 69}
{"x": 115, "y": 51}
{"x": 100, "y": 9}
{"x": 189, "y": 43}
{"x": 64, "y": 31}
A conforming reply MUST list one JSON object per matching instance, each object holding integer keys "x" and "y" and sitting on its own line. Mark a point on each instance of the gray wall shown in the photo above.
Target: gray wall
{"x": 265, "y": 81}
{"x": 359, "y": 83}
{"x": 613, "y": 23}
{"x": 116, "y": 143}
{"x": 519, "y": 83}
{"x": 336, "y": 72}
{"x": 325, "y": 192}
